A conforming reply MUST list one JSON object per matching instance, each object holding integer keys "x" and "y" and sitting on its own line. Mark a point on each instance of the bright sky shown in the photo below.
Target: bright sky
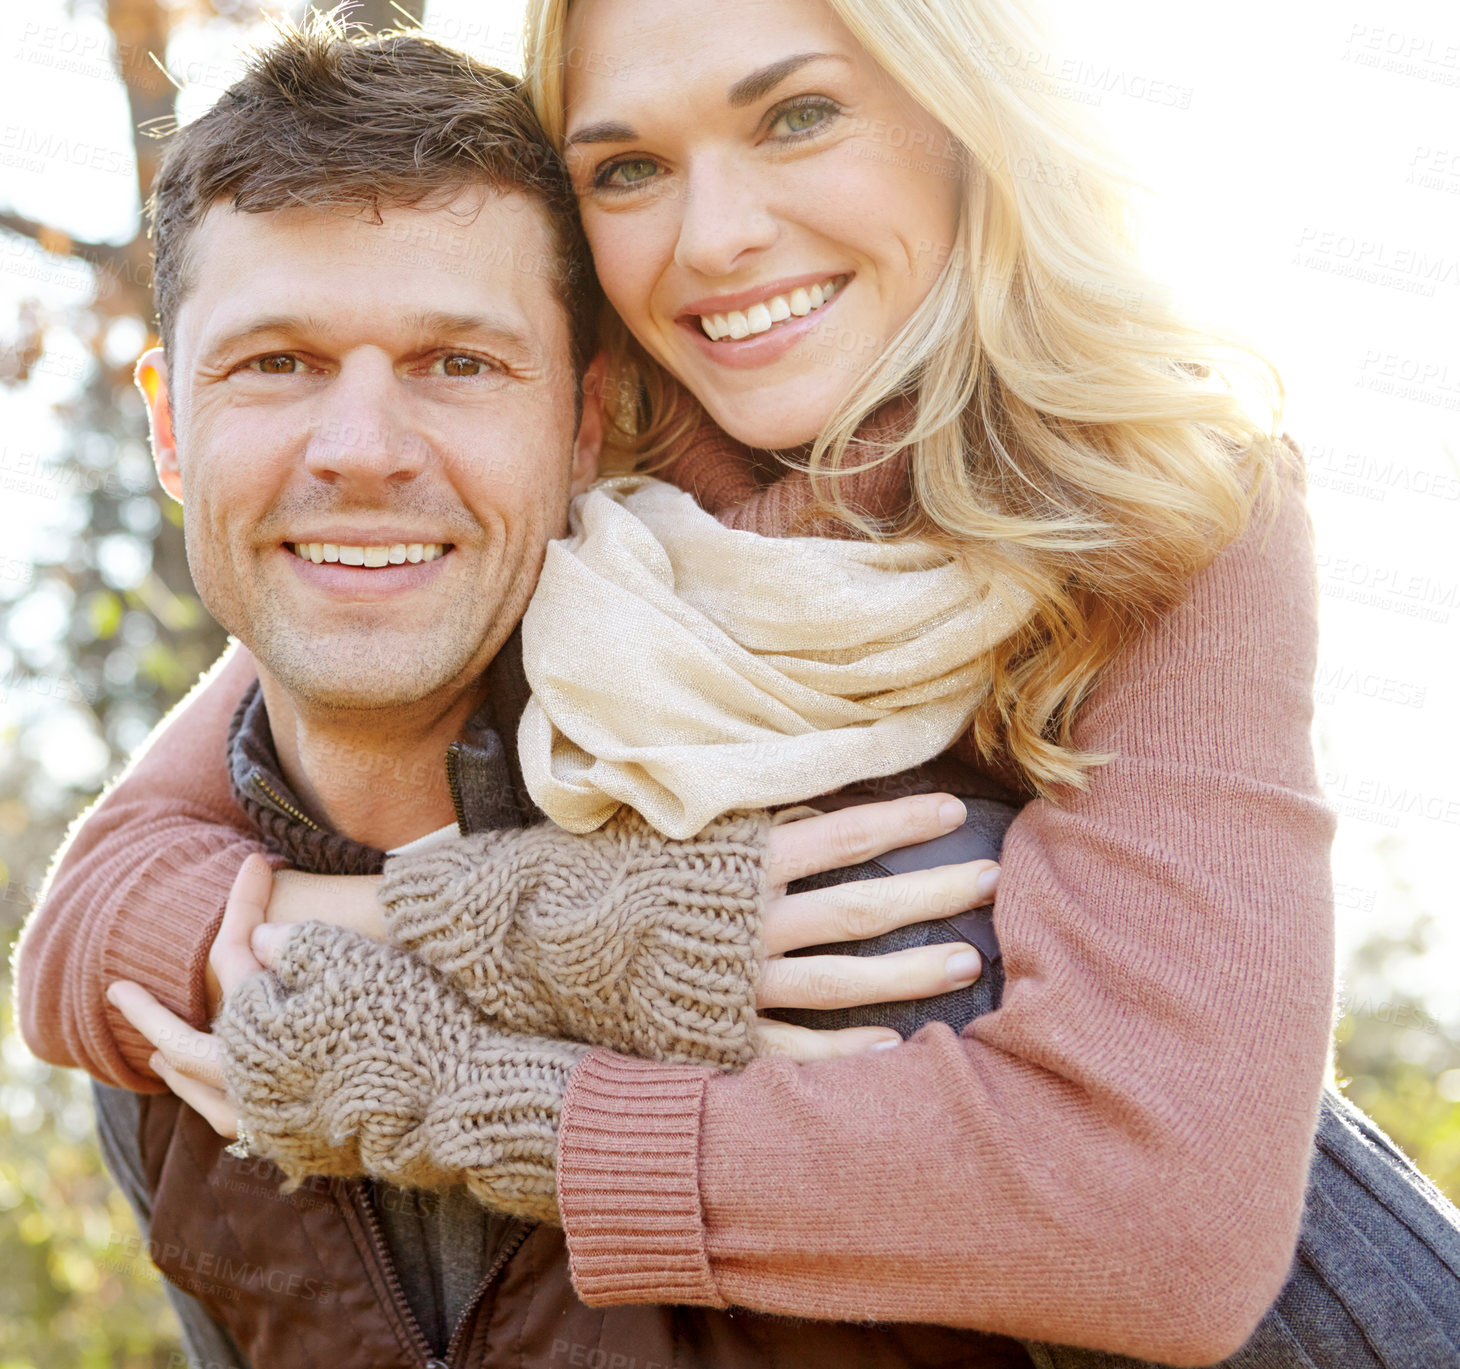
{"x": 1306, "y": 164}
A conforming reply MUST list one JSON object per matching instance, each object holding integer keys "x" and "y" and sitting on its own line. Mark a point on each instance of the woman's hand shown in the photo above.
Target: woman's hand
{"x": 855, "y": 911}
{"x": 257, "y": 924}
{"x": 187, "y": 1061}
{"x": 294, "y": 896}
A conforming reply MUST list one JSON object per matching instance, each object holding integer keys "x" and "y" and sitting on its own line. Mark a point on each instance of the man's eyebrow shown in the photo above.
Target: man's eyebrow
{"x": 427, "y": 323}
{"x": 749, "y": 89}
{"x": 274, "y": 325}
{"x": 745, "y": 91}
{"x": 443, "y": 323}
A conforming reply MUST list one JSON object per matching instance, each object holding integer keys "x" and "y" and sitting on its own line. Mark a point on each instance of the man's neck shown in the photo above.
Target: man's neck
{"x": 377, "y": 776}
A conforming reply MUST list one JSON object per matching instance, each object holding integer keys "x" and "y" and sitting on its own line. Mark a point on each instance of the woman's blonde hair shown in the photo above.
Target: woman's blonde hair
{"x": 1072, "y": 432}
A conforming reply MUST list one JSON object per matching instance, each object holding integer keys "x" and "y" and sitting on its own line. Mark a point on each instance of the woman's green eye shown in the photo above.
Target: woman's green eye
{"x": 801, "y": 119}
{"x": 635, "y": 171}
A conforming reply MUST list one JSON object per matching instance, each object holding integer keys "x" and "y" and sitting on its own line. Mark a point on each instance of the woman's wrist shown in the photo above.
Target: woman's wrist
{"x": 348, "y": 901}
{"x": 621, "y": 938}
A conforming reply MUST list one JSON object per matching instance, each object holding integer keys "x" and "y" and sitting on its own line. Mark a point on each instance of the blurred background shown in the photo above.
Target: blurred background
{"x": 1304, "y": 174}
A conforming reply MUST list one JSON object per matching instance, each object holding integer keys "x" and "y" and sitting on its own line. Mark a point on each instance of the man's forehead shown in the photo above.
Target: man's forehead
{"x": 480, "y": 251}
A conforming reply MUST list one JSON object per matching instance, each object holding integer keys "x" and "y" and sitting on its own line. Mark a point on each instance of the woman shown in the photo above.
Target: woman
{"x": 1106, "y": 475}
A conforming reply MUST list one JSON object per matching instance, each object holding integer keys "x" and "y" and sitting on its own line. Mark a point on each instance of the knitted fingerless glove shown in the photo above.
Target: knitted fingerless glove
{"x": 621, "y": 938}
{"x": 355, "y": 1059}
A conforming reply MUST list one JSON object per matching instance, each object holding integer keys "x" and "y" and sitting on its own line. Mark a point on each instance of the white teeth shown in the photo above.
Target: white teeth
{"x": 394, "y": 555}
{"x": 758, "y": 317}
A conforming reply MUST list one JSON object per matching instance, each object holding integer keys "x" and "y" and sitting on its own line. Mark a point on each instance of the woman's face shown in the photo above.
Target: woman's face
{"x": 766, "y": 207}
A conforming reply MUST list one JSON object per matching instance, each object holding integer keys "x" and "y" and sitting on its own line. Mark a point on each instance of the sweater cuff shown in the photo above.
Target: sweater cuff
{"x": 165, "y": 946}
{"x": 628, "y": 1182}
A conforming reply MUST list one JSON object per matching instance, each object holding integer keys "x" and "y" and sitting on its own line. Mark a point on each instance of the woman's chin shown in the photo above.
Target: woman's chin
{"x": 769, "y": 421}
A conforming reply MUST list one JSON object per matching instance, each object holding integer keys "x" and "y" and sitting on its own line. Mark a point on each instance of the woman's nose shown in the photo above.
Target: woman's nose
{"x": 723, "y": 219}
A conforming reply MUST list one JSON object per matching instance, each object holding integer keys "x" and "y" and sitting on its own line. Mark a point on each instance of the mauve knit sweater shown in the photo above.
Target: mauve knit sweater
{"x": 1116, "y": 1156}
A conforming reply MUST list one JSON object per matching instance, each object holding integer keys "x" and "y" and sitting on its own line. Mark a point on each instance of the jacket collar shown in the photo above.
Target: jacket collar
{"x": 486, "y": 782}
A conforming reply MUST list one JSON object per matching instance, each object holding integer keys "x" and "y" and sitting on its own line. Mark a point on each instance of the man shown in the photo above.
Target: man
{"x": 377, "y": 344}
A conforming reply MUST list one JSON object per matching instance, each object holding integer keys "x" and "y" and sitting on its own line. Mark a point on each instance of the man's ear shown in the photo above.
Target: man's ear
{"x": 588, "y": 445}
{"x": 151, "y": 378}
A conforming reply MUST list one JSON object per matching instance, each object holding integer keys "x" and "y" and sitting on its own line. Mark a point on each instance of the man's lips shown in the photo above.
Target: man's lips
{"x": 356, "y": 580}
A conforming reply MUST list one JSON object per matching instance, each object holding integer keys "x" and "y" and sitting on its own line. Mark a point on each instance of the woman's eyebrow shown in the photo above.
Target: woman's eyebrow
{"x": 606, "y": 132}
{"x": 745, "y": 91}
{"x": 750, "y": 88}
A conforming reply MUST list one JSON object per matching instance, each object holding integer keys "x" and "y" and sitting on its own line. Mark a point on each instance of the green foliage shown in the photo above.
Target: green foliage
{"x": 1396, "y": 1061}
{"x": 74, "y": 1292}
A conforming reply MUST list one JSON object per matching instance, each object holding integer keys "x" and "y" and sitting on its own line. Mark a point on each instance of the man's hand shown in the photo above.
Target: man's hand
{"x": 187, "y": 1060}
{"x": 855, "y": 911}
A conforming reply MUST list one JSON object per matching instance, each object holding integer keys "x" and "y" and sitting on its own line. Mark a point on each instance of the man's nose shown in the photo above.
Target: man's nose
{"x": 723, "y": 218}
{"x": 362, "y": 431}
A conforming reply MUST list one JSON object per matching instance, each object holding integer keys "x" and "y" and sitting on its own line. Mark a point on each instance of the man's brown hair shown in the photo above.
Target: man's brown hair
{"x": 325, "y": 119}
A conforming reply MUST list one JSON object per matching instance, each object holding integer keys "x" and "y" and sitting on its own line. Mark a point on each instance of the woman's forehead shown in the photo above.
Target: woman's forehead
{"x": 622, "y": 54}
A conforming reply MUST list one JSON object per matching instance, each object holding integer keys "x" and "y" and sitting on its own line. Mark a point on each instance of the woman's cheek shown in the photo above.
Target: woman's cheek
{"x": 625, "y": 262}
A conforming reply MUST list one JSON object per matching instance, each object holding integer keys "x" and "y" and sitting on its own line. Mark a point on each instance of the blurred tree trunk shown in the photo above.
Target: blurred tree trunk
{"x": 133, "y": 645}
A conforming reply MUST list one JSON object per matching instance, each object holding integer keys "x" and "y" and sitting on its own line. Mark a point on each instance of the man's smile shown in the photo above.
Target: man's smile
{"x": 358, "y": 554}
{"x": 377, "y": 570}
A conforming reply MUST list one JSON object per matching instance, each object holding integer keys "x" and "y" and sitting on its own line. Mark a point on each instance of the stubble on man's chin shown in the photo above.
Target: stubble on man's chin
{"x": 365, "y": 673}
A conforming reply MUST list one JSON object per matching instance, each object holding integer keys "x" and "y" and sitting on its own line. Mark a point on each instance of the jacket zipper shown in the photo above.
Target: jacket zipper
{"x": 360, "y": 1195}
{"x": 371, "y": 1220}
{"x": 289, "y": 808}
{"x": 468, "y": 1316}
{"x": 453, "y": 782}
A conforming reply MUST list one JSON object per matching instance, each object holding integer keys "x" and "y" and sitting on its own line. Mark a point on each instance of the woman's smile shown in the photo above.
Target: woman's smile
{"x": 758, "y": 311}
{"x": 761, "y": 332}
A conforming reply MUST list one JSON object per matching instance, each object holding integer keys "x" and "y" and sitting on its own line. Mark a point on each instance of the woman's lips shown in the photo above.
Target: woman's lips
{"x": 767, "y": 346}
{"x": 760, "y": 316}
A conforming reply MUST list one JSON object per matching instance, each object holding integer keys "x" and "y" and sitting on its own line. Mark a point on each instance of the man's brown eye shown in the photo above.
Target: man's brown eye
{"x": 280, "y": 364}
{"x": 462, "y": 366}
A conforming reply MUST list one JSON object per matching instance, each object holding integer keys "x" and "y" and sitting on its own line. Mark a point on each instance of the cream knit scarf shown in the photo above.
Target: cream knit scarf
{"x": 687, "y": 669}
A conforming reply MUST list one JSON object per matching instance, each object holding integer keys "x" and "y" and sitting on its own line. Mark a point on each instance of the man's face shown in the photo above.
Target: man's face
{"x": 397, "y": 392}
